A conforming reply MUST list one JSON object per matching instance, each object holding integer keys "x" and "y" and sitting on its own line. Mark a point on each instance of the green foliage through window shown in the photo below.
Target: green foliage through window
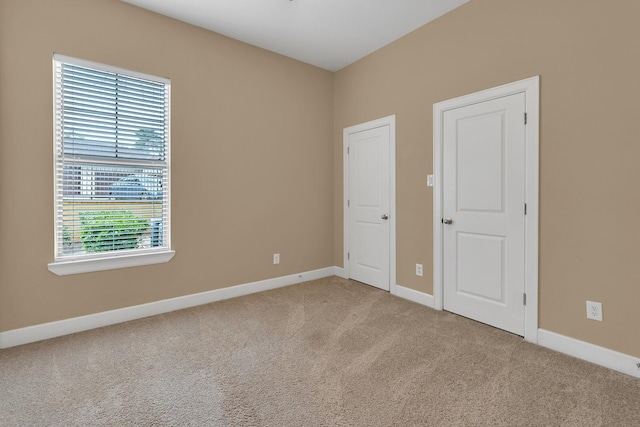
{"x": 111, "y": 230}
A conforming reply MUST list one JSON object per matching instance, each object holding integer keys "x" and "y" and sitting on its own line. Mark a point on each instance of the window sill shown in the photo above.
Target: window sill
{"x": 63, "y": 268}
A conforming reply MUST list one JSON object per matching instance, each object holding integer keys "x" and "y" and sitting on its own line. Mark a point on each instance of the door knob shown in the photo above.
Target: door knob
{"x": 447, "y": 221}
{"x": 384, "y": 216}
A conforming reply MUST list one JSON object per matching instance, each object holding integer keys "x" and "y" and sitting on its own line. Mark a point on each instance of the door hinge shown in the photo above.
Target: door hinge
{"x": 348, "y": 255}
{"x": 525, "y": 208}
{"x": 525, "y": 118}
{"x": 348, "y": 203}
{"x": 524, "y": 299}
{"x": 348, "y": 148}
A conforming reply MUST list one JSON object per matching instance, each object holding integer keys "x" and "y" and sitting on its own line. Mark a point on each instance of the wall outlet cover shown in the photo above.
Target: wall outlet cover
{"x": 594, "y": 310}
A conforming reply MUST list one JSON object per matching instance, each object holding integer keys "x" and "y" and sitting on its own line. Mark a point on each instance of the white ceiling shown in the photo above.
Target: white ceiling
{"x": 330, "y": 34}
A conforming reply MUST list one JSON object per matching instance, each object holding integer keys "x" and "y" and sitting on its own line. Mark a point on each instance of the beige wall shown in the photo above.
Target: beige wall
{"x": 252, "y": 158}
{"x": 252, "y": 150}
{"x": 587, "y": 56}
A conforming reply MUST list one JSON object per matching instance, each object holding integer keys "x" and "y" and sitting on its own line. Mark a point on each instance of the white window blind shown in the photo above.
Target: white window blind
{"x": 112, "y": 161}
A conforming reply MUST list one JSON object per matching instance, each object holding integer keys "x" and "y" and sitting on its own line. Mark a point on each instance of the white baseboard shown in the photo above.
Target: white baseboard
{"x": 590, "y": 352}
{"x": 413, "y": 295}
{"x": 340, "y": 272}
{"x": 580, "y": 349}
{"x": 78, "y": 324}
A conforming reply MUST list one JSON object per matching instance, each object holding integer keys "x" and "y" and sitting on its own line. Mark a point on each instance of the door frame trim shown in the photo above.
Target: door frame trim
{"x": 384, "y": 121}
{"x": 531, "y": 88}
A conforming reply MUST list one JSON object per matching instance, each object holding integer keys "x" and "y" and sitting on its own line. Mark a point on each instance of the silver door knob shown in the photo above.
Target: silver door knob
{"x": 384, "y": 216}
{"x": 447, "y": 221}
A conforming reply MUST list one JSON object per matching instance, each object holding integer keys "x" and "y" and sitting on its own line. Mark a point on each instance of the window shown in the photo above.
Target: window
{"x": 112, "y": 167}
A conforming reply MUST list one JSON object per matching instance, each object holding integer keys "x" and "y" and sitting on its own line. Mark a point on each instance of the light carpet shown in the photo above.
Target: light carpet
{"x": 330, "y": 352}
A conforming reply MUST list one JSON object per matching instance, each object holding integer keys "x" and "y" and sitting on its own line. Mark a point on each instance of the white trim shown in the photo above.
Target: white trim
{"x": 167, "y": 155}
{"x": 413, "y": 295}
{"x": 590, "y": 352}
{"x": 63, "y": 268}
{"x": 531, "y": 88}
{"x": 384, "y": 121}
{"x": 108, "y": 68}
{"x": 570, "y": 346}
{"x": 345, "y": 201}
{"x": 340, "y": 272}
{"x": 78, "y": 324}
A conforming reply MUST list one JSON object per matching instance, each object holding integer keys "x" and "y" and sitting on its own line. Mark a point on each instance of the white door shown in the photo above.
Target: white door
{"x": 369, "y": 183}
{"x": 484, "y": 211}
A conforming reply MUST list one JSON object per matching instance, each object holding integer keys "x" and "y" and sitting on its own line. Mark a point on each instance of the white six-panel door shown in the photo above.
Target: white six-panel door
{"x": 484, "y": 211}
{"x": 369, "y": 206}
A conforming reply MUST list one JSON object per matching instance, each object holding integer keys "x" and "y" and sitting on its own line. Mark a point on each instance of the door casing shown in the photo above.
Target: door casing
{"x": 531, "y": 88}
{"x": 385, "y": 121}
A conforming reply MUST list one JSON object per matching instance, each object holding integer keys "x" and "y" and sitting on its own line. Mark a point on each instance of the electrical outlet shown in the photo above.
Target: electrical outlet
{"x": 276, "y": 258}
{"x": 594, "y": 310}
{"x": 418, "y": 269}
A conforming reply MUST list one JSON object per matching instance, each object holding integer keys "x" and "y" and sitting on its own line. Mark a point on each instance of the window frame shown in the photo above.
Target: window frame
{"x": 64, "y": 265}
